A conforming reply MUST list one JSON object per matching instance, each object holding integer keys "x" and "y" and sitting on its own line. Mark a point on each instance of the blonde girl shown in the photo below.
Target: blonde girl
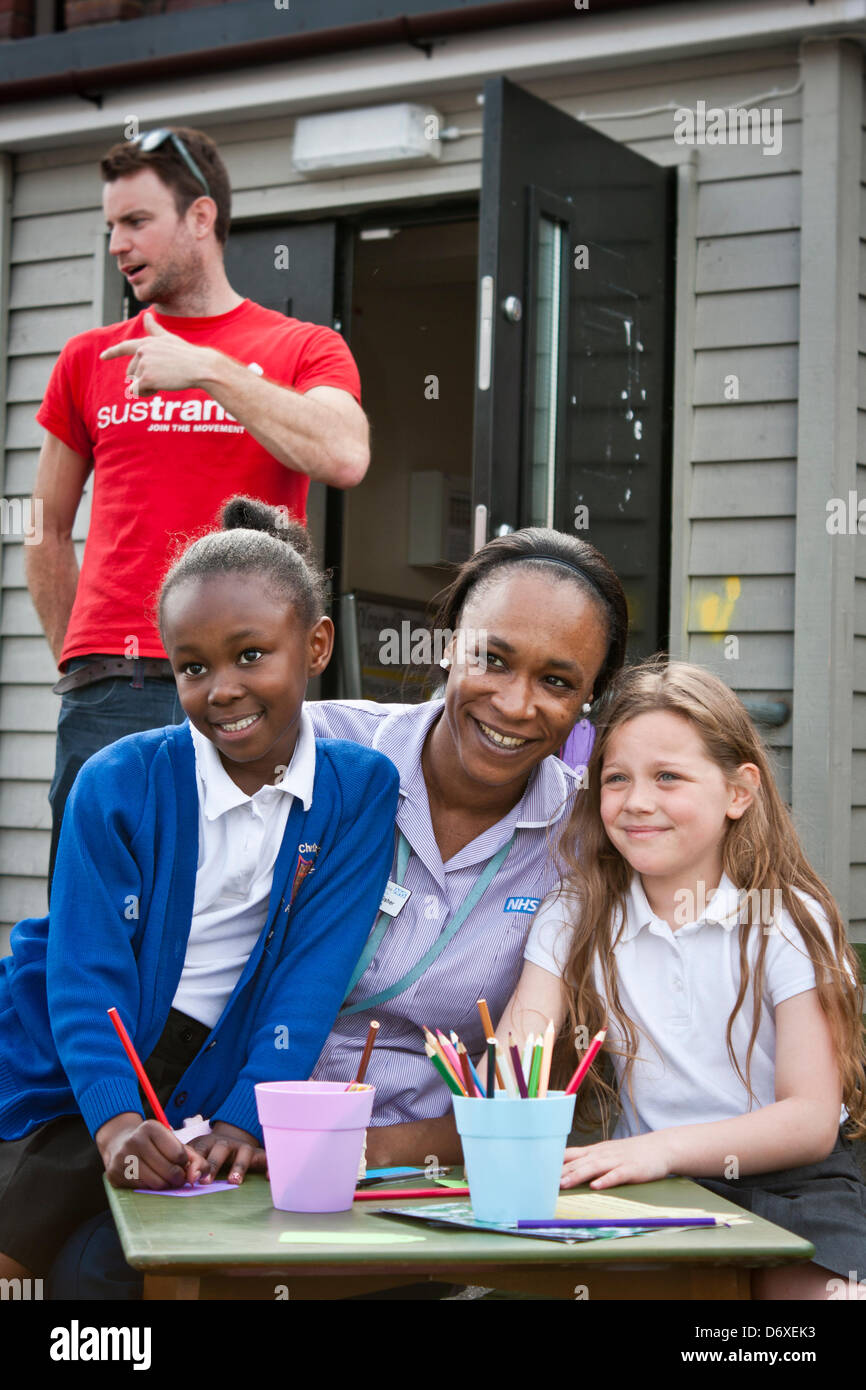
{"x": 691, "y": 923}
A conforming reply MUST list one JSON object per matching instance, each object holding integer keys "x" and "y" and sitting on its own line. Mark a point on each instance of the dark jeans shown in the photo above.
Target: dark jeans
{"x": 96, "y": 715}
{"x": 91, "y": 1266}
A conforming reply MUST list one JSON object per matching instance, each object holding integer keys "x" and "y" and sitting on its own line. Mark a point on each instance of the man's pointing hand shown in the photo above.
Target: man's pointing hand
{"x": 161, "y": 361}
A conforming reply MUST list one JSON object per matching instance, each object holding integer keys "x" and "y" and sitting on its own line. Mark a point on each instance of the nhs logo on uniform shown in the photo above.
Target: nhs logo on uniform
{"x": 521, "y": 904}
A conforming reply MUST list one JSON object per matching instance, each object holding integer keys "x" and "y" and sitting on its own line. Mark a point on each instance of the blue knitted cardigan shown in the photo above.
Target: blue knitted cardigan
{"x": 121, "y": 907}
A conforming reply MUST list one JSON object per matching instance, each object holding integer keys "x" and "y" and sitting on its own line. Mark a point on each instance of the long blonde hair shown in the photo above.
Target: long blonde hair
{"x": 761, "y": 855}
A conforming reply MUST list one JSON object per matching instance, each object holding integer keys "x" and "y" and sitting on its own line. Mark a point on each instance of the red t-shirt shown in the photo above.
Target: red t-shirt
{"x": 164, "y": 465}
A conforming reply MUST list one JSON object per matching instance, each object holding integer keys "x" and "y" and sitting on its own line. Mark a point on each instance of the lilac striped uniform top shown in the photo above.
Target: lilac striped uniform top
{"x": 483, "y": 959}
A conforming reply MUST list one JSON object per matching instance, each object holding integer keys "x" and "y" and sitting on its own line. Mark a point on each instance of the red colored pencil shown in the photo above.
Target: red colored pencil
{"x": 139, "y": 1069}
{"x": 379, "y": 1195}
{"x": 463, "y": 1059}
{"x": 588, "y": 1059}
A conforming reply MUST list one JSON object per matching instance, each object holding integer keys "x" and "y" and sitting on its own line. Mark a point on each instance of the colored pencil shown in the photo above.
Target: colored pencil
{"x": 443, "y": 1071}
{"x": 518, "y": 1070}
{"x": 588, "y": 1059}
{"x": 535, "y": 1068}
{"x": 463, "y": 1057}
{"x": 595, "y": 1221}
{"x": 489, "y": 1031}
{"x": 365, "y": 1056}
{"x": 456, "y": 1065}
{"x": 401, "y": 1193}
{"x": 139, "y": 1069}
{"x": 492, "y": 1069}
{"x": 505, "y": 1067}
{"x": 546, "y": 1059}
{"x": 526, "y": 1057}
{"x": 434, "y": 1042}
{"x": 450, "y": 1052}
{"x": 479, "y": 1084}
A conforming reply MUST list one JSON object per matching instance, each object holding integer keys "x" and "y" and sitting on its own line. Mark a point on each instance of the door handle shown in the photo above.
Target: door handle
{"x": 479, "y": 530}
{"x": 485, "y": 333}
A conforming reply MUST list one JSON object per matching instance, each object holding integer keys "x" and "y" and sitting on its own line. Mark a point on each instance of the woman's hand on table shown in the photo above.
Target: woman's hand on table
{"x": 227, "y": 1143}
{"x": 643, "y": 1158}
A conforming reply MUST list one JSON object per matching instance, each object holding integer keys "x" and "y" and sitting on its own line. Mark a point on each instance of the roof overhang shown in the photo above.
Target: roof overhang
{"x": 85, "y": 60}
{"x": 607, "y": 36}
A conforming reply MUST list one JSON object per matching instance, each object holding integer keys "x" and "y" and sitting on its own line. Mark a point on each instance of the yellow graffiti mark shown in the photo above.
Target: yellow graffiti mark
{"x": 715, "y": 612}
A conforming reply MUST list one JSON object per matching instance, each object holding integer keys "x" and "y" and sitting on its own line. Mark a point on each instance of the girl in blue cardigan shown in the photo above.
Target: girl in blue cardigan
{"x": 215, "y": 882}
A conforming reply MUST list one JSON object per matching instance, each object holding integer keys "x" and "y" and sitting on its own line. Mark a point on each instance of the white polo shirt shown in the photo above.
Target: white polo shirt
{"x": 678, "y": 988}
{"x": 239, "y": 837}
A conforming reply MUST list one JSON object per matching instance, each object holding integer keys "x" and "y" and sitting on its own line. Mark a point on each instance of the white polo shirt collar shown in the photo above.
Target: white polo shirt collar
{"x": 220, "y": 793}
{"x": 722, "y": 908}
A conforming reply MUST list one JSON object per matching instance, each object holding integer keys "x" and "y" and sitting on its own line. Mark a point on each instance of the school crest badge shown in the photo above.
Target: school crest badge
{"x": 304, "y": 867}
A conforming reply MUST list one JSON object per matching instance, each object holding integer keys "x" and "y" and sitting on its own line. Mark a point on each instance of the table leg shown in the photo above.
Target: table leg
{"x": 719, "y": 1281}
{"x": 170, "y": 1286}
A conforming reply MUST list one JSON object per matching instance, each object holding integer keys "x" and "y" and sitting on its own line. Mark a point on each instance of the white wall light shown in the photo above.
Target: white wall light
{"x": 374, "y": 137}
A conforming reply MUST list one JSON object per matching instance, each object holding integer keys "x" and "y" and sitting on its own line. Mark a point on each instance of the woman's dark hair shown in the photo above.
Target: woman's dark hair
{"x": 551, "y": 553}
{"x": 128, "y": 158}
{"x": 255, "y": 539}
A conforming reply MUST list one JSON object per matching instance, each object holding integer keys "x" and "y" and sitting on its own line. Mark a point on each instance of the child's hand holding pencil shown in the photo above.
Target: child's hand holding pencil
{"x": 134, "y": 1150}
{"x": 145, "y": 1153}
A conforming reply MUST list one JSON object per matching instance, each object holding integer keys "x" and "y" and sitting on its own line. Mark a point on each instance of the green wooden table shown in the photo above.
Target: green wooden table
{"x": 227, "y": 1246}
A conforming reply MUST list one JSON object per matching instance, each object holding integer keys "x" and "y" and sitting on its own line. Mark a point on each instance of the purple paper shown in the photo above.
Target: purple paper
{"x": 199, "y": 1190}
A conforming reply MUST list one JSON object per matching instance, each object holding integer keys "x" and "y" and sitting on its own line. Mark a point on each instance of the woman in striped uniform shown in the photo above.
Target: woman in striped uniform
{"x": 539, "y": 626}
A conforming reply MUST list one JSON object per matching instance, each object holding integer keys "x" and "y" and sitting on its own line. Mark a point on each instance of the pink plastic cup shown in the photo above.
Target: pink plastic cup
{"x": 314, "y": 1133}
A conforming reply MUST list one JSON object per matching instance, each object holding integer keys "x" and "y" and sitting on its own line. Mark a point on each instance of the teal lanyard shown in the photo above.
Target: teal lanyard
{"x": 479, "y": 888}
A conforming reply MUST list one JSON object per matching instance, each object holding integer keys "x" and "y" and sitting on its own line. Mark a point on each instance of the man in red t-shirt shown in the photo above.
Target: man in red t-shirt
{"x": 202, "y": 396}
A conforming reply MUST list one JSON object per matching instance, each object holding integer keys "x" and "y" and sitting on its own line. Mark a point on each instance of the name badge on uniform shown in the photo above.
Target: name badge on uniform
{"x": 394, "y": 898}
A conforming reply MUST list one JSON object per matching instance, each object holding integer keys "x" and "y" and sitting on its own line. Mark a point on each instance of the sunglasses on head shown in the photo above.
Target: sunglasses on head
{"x": 152, "y": 140}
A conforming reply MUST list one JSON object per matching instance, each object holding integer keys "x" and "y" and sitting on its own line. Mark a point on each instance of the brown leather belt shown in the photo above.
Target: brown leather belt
{"x": 103, "y": 668}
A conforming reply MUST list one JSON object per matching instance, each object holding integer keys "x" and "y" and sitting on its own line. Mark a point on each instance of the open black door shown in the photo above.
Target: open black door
{"x": 573, "y": 386}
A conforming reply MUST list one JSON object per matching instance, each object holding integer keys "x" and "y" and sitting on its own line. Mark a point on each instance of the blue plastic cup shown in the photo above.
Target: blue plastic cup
{"x": 514, "y": 1151}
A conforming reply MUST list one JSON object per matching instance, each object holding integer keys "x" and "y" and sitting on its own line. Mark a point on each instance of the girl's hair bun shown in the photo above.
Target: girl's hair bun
{"x": 254, "y": 539}
{"x": 249, "y": 514}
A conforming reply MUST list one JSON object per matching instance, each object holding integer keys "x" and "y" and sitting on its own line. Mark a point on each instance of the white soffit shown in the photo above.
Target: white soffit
{"x": 525, "y": 53}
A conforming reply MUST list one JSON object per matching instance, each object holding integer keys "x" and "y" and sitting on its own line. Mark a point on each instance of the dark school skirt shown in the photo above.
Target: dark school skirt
{"x": 824, "y": 1203}
{"x": 51, "y": 1180}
